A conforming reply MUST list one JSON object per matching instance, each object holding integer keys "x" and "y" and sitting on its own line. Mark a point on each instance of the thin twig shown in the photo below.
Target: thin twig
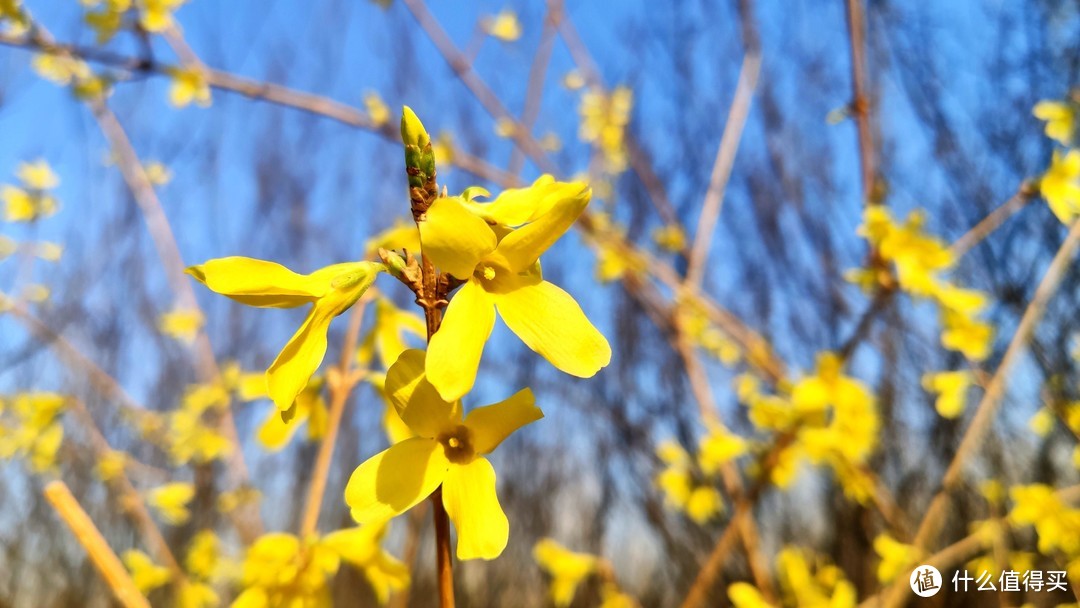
{"x": 103, "y": 557}
{"x": 341, "y": 381}
{"x": 1024, "y": 195}
{"x": 537, "y": 74}
{"x": 860, "y": 102}
{"x": 725, "y": 160}
{"x": 987, "y": 408}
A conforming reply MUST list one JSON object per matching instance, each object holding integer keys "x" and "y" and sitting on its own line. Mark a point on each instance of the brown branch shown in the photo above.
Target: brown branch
{"x": 537, "y": 74}
{"x": 103, "y": 557}
{"x": 725, "y": 160}
{"x": 987, "y": 408}
{"x": 860, "y": 102}
{"x": 1024, "y": 195}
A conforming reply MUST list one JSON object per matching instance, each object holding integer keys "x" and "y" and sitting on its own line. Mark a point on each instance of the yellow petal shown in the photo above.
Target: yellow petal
{"x": 259, "y": 283}
{"x": 386, "y": 574}
{"x": 549, "y": 321}
{"x": 359, "y": 545}
{"x": 416, "y": 400}
{"x": 275, "y": 434}
{"x": 470, "y": 501}
{"x": 454, "y": 352}
{"x": 298, "y": 361}
{"x": 394, "y": 480}
{"x": 522, "y": 247}
{"x": 453, "y": 238}
{"x": 491, "y": 424}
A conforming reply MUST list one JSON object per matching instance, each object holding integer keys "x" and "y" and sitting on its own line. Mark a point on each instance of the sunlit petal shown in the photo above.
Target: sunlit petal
{"x": 259, "y": 283}
{"x": 453, "y": 238}
{"x": 416, "y": 400}
{"x": 549, "y": 321}
{"x": 470, "y": 501}
{"x": 522, "y": 247}
{"x": 491, "y": 424}
{"x": 394, "y": 480}
{"x": 298, "y": 361}
{"x": 454, "y": 352}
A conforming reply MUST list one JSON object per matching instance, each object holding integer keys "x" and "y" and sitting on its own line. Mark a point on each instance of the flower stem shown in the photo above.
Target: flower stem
{"x": 443, "y": 559}
{"x": 423, "y": 190}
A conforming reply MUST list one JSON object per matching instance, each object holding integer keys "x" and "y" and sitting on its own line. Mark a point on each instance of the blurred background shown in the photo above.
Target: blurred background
{"x": 634, "y": 97}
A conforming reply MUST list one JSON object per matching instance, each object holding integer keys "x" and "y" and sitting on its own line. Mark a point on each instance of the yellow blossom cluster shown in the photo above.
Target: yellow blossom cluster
{"x": 1056, "y": 523}
{"x": 189, "y": 85}
{"x": 569, "y": 569}
{"x": 614, "y": 257}
{"x": 13, "y": 18}
{"x": 806, "y": 581}
{"x": 604, "y": 117}
{"x": 951, "y": 390}
{"x": 689, "y": 482}
{"x": 31, "y": 200}
{"x": 896, "y": 557}
{"x": 1060, "y": 184}
{"x": 694, "y": 324}
{"x": 1069, "y": 413}
{"x": 31, "y": 428}
{"x": 503, "y": 26}
{"x": 66, "y": 70}
{"x": 283, "y": 570}
{"x": 190, "y": 437}
{"x": 830, "y": 418}
{"x": 106, "y": 16}
{"x": 920, "y": 260}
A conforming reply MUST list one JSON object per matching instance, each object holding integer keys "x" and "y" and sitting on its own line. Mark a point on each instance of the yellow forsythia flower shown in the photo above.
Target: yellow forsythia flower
{"x": 157, "y": 15}
{"x": 60, "y": 69}
{"x": 309, "y": 406}
{"x": 1057, "y": 524}
{"x": 745, "y": 595}
{"x": 567, "y": 569}
{"x": 501, "y": 271}
{"x": 718, "y": 448}
{"x": 146, "y": 575}
{"x": 449, "y": 450}
{"x": 1060, "y": 118}
{"x": 182, "y": 324}
{"x": 31, "y": 201}
{"x": 13, "y": 17}
{"x": 603, "y": 123}
{"x": 157, "y": 173}
{"x": 188, "y": 86}
{"x": 951, "y": 389}
{"x": 1060, "y": 185}
{"x": 503, "y": 26}
{"x": 197, "y": 595}
{"x": 37, "y": 175}
{"x": 361, "y": 547}
{"x": 669, "y": 238}
{"x": 505, "y": 127}
{"x": 387, "y": 338}
{"x": 895, "y": 557}
{"x": 573, "y": 80}
{"x": 329, "y": 291}
{"x": 170, "y": 501}
{"x": 110, "y": 466}
{"x": 202, "y": 555}
{"x": 1042, "y": 422}
{"x": 376, "y": 109}
{"x": 401, "y": 235}
{"x": 47, "y": 251}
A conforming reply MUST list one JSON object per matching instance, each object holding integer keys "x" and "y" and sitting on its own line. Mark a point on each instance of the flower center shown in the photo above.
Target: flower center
{"x": 487, "y": 272}
{"x": 457, "y": 443}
